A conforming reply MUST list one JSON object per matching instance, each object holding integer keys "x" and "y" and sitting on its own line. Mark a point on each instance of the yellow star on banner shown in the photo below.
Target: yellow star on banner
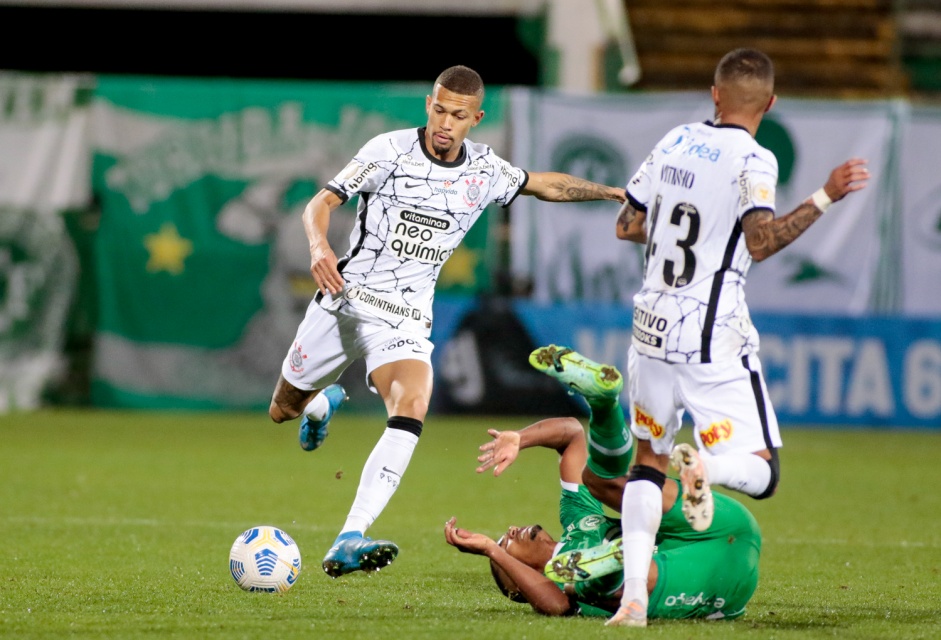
{"x": 459, "y": 269}
{"x": 167, "y": 250}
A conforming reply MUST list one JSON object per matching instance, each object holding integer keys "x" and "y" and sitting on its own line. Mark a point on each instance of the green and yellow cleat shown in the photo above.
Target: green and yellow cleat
{"x": 582, "y": 375}
{"x": 579, "y": 565}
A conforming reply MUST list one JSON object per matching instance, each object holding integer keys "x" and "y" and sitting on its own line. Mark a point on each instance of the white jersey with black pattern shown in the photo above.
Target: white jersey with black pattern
{"x": 414, "y": 210}
{"x": 696, "y": 186}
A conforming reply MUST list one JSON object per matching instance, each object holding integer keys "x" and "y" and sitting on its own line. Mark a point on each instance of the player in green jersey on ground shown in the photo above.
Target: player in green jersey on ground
{"x": 710, "y": 574}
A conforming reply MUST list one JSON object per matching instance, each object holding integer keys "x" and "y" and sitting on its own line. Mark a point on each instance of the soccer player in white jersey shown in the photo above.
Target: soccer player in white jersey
{"x": 703, "y": 203}
{"x": 420, "y": 191}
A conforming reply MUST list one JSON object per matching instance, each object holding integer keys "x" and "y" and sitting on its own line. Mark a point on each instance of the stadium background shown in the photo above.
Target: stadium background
{"x": 155, "y": 159}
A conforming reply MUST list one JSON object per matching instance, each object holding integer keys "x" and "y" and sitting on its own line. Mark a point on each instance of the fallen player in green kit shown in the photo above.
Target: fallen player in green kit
{"x": 694, "y": 574}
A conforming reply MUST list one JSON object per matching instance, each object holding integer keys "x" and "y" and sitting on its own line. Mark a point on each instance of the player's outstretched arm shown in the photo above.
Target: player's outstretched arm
{"x": 552, "y": 186}
{"x": 540, "y": 592}
{"x": 630, "y": 225}
{"x": 323, "y": 261}
{"x": 565, "y": 435}
{"x": 765, "y": 235}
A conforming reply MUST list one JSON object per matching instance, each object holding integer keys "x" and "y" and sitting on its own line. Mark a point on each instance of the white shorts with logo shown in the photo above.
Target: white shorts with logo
{"x": 727, "y": 402}
{"x": 329, "y": 341}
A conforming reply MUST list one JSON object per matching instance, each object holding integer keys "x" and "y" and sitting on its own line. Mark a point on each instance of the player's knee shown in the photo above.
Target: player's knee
{"x": 775, "y": 464}
{"x": 415, "y": 405}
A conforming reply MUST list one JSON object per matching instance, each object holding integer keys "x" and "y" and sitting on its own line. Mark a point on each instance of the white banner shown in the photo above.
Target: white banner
{"x": 831, "y": 268}
{"x": 44, "y": 169}
{"x": 920, "y": 183}
{"x": 569, "y": 251}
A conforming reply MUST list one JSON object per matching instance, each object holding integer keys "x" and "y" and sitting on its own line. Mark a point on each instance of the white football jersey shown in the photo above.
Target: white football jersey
{"x": 696, "y": 186}
{"x": 414, "y": 210}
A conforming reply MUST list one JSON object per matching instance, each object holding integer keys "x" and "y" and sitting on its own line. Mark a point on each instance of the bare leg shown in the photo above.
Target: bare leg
{"x": 287, "y": 401}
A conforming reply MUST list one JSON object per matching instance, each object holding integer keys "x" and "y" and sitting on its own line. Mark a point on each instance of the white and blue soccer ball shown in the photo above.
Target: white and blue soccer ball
{"x": 265, "y": 558}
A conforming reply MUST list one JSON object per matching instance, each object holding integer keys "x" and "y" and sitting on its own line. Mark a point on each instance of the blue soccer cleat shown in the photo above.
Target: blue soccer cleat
{"x": 312, "y": 433}
{"x": 352, "y": 552}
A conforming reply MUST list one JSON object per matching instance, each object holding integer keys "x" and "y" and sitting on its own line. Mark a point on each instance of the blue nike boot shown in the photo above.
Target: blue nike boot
{"x": 312, "y": 433}
{"x": 352, "y": 552}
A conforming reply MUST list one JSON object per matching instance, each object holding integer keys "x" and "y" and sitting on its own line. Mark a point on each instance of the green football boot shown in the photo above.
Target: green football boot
{"x": 580, "y": 565}
{"x": 582, "y": 375}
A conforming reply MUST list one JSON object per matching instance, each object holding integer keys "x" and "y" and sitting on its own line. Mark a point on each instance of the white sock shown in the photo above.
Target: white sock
{"x": 743, "y": 472}
{"x": 641, "y": 512}
{"x": 317, "y": 408}
{"x": 381, "y": 476}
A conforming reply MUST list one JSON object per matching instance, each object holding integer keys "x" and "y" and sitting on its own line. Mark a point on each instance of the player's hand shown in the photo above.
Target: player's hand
{"x": 850, "y": 176}
{"x": 499, "y": 453}
{"x": 323, "y": 267}
{"x": 465, "y": 541}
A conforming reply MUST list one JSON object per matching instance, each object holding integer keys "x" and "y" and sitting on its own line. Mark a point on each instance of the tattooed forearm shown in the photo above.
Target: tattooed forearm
{"x": 572, "y": 189}
{"x": 630, "y": 224}
{"x": 561, "y": 187}
{"x": 765, "y": 235}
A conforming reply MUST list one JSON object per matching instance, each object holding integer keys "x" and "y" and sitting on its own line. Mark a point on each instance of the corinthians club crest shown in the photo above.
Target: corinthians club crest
{"x": 473, "y": 191}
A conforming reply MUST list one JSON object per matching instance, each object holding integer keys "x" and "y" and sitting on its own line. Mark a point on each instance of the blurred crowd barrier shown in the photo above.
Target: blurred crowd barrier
{"x": 189, "y": 273}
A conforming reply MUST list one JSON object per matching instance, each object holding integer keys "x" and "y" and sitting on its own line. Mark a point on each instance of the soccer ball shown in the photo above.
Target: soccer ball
{"x": 265, "y": 558}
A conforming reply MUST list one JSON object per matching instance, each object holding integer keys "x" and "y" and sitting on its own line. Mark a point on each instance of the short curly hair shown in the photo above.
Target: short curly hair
{"x": 462, "y": 80}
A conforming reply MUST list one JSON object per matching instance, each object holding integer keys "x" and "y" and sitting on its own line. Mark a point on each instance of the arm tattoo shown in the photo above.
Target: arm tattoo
{"x": 571, "y": 189}
{"x": 626, "y": 216}
{"x": 765, "y": 235}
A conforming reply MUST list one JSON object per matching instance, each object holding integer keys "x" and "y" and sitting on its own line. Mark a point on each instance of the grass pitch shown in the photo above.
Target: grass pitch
{"x": 118, "y": 525}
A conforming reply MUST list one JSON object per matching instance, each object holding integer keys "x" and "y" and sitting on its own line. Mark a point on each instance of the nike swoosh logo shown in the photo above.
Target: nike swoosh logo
{"x": 388, "y": 470}
{"x": 412, "y": 185}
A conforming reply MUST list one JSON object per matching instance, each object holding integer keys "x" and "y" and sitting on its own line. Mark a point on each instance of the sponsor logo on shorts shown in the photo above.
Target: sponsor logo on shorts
{"x": 716, "y": 433}
{"x": 381, "y": 304}
{"x": 644, "y": 419}
{"x": 297, "y": 358}
{"x": 693, "y": 600}
{"x": 401, "y": 343}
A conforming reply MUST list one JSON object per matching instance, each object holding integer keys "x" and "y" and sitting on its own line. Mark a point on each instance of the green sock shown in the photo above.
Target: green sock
{"x": 610, "y": 444}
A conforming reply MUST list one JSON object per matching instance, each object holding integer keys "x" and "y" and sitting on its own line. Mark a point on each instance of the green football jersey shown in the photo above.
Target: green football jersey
{"x": 702, "y": 574}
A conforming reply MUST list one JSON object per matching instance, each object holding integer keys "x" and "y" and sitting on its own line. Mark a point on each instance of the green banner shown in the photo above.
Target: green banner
{"x": 202, "y": 262}
{"x": 43, "y": 173}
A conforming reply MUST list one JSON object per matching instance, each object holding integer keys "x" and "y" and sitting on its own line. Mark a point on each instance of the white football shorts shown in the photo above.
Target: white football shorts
{"x": 727, "y": 402}
{"x": 329, "y": 341}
